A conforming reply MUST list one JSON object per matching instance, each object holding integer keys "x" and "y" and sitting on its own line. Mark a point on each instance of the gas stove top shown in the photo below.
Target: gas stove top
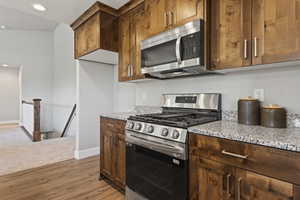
{"x": 179, "y": 120}
{"x": 180, "y": 111}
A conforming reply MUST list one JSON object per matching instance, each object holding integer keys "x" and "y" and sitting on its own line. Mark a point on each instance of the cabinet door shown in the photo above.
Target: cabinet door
{"x": 254, "y": 186}
{"x": 87, "y": 36}
{"x": 119, "y": 156}
{"x": 124, "y": 49}
{"x": 187, "y": 10}
{"x": 156, "y": 16}
{"x": 276, "y": 31}
{"x": 138, "y": 32}
{"x": 106, "y": 153}
{"x": 230, "y": 33}
{"x": 210, "y": 180}
{"x": 80, "y": 43}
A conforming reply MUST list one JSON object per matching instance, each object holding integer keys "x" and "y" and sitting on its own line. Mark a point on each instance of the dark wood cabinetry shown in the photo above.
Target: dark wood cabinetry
{"x": 276, "y": 31}
{"x": 96, "y": 29}
{"x": 223, "y": 169}
{"x": 112, "y": 147}
{"x": 162, "y": 15}
{"x": 132, "y": 32}
{"x": 251, "y": 32}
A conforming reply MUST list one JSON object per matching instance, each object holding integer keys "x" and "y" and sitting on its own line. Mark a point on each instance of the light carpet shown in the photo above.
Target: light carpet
{"x": 18, "y": 152}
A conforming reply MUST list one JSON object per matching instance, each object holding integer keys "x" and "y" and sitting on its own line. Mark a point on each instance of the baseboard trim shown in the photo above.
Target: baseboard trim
{"x": 87, "y": 153}
{"x": 9, "y": 122}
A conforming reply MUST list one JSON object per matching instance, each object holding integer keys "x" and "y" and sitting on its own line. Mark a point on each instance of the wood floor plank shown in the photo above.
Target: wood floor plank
{"x": 68, "y": 180}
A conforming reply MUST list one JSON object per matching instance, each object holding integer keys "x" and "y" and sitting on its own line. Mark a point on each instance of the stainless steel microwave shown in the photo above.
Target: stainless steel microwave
{"x": 175, "y": 53}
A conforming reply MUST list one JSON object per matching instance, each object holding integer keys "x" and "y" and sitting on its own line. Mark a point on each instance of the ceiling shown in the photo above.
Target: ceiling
{"x": 17, "y": 20}
{"x": 62, "y": 11}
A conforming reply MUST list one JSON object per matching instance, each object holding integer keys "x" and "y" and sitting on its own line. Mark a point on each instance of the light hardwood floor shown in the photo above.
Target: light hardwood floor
{"x": 68, "y": 180}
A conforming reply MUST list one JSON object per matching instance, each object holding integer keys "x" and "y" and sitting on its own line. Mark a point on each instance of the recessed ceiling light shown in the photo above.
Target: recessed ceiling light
{"x": 39, "y": 7}
{"x": 3, "y": 27}
{"x": 4, "y": 65}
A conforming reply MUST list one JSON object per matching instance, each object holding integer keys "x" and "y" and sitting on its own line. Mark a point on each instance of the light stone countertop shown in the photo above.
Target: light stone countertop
{"x": 138, "y": 110}
{"x": 285, "y": 139}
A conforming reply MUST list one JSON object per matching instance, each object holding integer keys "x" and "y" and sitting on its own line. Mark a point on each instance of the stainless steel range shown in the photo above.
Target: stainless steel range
{"x": 157, "y": 146}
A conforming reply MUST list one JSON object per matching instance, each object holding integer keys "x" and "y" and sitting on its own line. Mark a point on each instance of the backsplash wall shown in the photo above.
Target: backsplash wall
{"x": 281, "y": 87}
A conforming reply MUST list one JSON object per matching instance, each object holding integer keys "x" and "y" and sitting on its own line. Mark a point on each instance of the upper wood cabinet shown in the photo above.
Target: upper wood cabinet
{"x": 276, "y": 31}
{"x": 230, "y": 33}
{"x": 132, "y": 32}
{"x": 96, "y": 29}
{"x": 251, "y": 32}
{"x": 162, "y": 15}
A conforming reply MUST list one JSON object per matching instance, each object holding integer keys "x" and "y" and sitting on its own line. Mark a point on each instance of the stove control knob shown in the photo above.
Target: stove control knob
{"x": 130, "y": 125}
{"x": 175, "y": 134}
{"x": 150, "y": 129}
{"x": 165, "y": 132}
{"x": 138, "y": 126}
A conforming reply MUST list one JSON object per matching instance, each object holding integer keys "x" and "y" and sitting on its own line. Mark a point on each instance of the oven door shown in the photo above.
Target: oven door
{"x": 155, "y": 175}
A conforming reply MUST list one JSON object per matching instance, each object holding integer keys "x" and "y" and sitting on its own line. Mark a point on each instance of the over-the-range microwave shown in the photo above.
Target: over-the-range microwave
{"x": 175, "y": 53}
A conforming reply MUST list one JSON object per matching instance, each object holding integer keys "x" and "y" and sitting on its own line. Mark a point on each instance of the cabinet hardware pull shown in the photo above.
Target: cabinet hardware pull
{"x": 128, "y": 70}
{"x": 131, "y": 70}
{"x": 228, "y": 185}
{"x": 166, "y": 19}
{"x": 234, "y": 155}
{"x": 239, "y": 188}
{"x": 172, "y": 18}
{"x": 255, "y": 47}
{"x": 246, "y": 49}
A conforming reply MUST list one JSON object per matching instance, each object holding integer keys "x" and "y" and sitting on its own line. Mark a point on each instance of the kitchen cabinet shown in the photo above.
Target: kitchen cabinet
{"x": 230, "y": 34}
{"x": 210, "y": 180}
{"x": 162, "y": 15}
{"x": 251, "y": 32}
{"x": 132, "y": 32}
{"x": 276, "y": 31}
{"x": 225, "y": 169}
{"x": 250, "y": 185}
{"x": 96, "y": 29}
{"x": 113, "y": 151}
{"x": 156, "y": 16}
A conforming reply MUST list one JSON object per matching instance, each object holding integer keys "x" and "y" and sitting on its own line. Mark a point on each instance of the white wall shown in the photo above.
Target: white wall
{"x": 281, "y": 87}
{"x": 64, "y": 78}
{"x": 94, "y": 96}
{"x": 124, "y": 94}
{"x": 9, "y": 94}
{"x": 34, "y": 51}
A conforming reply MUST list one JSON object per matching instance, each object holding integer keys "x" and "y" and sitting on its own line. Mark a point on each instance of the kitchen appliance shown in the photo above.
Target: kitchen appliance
{"x": 157, "y": 146}
{"x": 175, "y": 53}
{"x": 273, "y": 116}
{"x": 249, "y": 111}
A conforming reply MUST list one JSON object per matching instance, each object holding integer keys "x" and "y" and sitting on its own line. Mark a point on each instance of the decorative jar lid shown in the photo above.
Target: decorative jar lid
{"x": 249, "y": 98}
{"x": 272, "y": 106}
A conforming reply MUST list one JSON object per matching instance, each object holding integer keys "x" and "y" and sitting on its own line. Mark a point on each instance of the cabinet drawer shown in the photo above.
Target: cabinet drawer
{"x": 283, "y": 165}
{"x": 114, "y": 125}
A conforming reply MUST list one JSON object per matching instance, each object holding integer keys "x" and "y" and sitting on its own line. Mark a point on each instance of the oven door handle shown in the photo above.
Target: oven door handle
{"x": 178, "y": 50}
{"x": 157, "y": 146}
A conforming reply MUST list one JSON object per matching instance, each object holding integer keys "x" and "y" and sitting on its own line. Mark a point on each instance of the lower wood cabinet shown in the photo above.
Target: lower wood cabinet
{"x": 112, "y": 151}
{"x": 214, "y": 178}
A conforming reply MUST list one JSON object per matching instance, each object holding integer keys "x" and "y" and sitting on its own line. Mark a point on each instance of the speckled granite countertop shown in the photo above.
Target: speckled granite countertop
{"x": 138, "y": 110}
{"x": 285, "y": 139}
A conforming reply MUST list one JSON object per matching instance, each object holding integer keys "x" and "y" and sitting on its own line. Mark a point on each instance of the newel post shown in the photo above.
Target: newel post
{"x": 37, "y": 120}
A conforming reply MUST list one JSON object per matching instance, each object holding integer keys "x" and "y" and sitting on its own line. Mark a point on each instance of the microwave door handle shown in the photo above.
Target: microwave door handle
{"x": 178, "y": 50}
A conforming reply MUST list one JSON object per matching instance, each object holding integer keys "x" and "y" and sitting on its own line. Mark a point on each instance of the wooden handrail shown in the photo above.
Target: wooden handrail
{"x": 36, "y": 134}
{"x": 37, "y": 120}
